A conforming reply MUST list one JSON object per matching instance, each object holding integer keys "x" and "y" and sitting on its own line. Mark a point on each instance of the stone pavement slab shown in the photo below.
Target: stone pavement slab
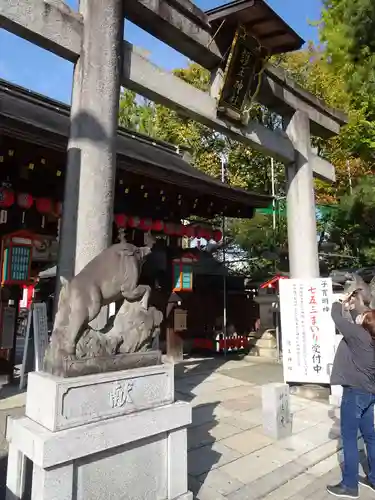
{"x": 247, "y": 442}
{"x": 229, "y": 455}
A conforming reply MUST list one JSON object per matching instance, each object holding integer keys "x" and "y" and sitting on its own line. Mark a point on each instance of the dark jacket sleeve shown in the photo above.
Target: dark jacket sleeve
{"x": 351, "y": 332}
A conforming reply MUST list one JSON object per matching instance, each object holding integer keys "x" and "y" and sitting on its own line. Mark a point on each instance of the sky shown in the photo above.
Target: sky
{"x": 36, "y": 69}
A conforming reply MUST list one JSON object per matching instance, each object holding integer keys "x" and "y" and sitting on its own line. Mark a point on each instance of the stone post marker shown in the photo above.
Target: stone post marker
{"x": 277, "y": 419}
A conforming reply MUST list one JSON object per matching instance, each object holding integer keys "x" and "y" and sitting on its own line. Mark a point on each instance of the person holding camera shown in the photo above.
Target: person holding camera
{"x": 354, "y": 370}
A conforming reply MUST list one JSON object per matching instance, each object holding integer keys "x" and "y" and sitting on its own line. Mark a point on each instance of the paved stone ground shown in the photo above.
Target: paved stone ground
{"x": 229, "y": 456}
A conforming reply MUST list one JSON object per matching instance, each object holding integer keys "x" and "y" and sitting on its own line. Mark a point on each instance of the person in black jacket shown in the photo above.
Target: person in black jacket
{"x": 354, "y": 369}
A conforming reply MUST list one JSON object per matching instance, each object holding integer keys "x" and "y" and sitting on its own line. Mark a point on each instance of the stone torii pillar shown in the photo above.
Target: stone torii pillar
{"x": 91, "y": 169}
{"x": 301, "y": 211}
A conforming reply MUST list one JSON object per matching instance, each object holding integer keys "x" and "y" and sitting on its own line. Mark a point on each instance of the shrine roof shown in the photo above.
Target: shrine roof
{"x": 257, "y": 17}
{"x": 42, "y": 121}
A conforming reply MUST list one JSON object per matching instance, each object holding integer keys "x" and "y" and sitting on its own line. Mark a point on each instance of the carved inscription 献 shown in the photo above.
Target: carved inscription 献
{"x": 121, "y": 394}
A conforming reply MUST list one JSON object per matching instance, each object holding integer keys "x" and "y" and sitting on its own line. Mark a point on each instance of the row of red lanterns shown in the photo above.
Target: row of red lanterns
{"x": 169, "y": 228}
{"x": 26, "y": 201}
{"x": 46, "y": 206}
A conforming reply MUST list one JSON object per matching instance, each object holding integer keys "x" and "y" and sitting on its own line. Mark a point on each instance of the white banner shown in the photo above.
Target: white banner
{"x": 307, "y": 330}
{"x": 40, "y": 324}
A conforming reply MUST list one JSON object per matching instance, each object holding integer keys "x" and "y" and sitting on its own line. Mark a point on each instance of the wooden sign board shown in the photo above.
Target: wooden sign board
{"x": 8, "y": 327}
{"x": 244, "y": 65}
{"x": 37, "y": 326}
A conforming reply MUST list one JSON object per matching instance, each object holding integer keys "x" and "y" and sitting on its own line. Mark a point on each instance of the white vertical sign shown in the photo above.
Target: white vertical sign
{"x": 40, "y": 325}
{"x": 307, "y": 329}
{"x": 26, "y": 349}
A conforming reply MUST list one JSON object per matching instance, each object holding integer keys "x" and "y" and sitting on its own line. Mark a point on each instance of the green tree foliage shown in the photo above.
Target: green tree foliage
{"x": 351, "y": 227}
{"x": 246, "y": 168}
{"x": 347, "y": 30}
{"x": 350, "y": 152}
{"x": 342, "y": 73}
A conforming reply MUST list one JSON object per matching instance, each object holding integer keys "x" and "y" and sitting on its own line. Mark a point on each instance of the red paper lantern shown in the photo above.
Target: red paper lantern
{"x": 189, "y": 231}
{"x": 208, "y": 236}
{"x": 59, "y": 208}
{"x": 120, "y": 220}
{"x": 6, "y": 198}
{"x": 145, "y": 224}
{"x": 157, "y": 225}
{"x": 200, "y": 232}
{"x": 25, "y": 200}
{"x": 218, "y": 235}
{"x": 171, "y": 229}
{"x": 133, "y": 222}
{"x": 43, "y": 205}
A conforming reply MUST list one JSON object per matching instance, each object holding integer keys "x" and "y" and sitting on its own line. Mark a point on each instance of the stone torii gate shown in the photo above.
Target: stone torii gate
{"x": 93, "y": 40}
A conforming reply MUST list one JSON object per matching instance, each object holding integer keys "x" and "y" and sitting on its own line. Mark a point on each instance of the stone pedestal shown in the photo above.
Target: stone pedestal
{"x": 263, "y": 344}
{"x": 336, "y": 395}
{"x": 117, "y": 436}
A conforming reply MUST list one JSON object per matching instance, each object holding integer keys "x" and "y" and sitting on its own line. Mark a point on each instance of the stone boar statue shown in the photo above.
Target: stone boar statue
{"x": 109, "y": 277}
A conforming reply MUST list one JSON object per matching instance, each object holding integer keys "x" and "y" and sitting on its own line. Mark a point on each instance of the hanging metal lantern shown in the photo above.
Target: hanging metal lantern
{"x": 120, "y": 220}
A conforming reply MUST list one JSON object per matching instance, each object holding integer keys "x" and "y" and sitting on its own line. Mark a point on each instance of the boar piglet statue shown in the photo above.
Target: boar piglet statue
{"x": 113, "y": 276}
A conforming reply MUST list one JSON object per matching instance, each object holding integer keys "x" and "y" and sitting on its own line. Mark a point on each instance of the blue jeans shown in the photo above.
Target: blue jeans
{"x": 357, "y": 413}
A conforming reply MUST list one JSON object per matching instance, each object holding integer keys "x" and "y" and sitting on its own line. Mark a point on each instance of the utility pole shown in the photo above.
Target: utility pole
{"x": 273, "y": 197}
{"x": 349, "y": 176}
{"x": 223, "y": 172}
